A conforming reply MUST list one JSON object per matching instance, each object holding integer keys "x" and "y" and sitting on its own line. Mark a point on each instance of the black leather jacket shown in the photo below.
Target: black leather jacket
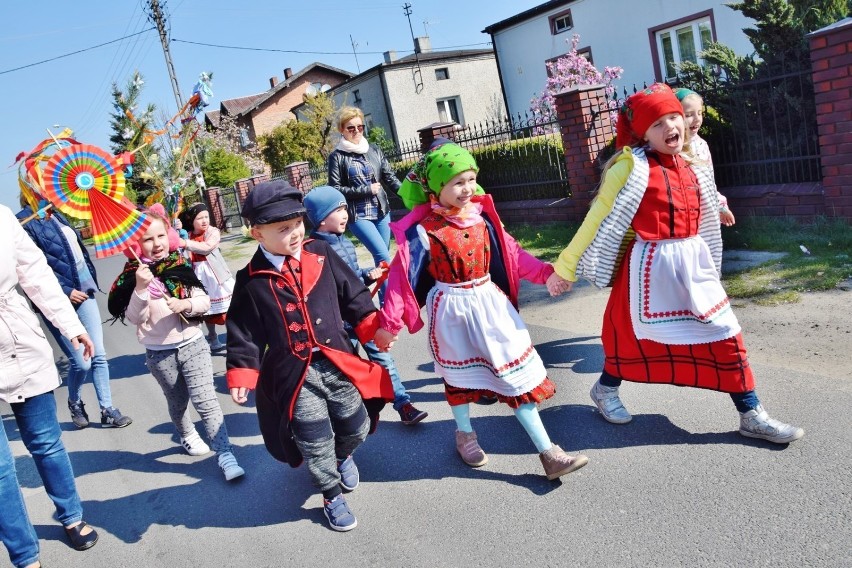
{"x": 338, "y": 177}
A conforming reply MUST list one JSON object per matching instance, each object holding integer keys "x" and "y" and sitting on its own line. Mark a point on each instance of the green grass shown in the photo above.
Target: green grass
{"x": 829, "y": 243}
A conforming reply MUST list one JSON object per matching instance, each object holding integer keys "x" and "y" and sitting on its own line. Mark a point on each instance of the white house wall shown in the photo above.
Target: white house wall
{"x": 474, "y": 81}
{"x": 615, "y": 30}
{"x": 372, "y": 100}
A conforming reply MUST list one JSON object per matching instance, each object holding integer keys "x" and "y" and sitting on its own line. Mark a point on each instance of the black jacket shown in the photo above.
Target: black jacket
{"x": 338, "y": 177}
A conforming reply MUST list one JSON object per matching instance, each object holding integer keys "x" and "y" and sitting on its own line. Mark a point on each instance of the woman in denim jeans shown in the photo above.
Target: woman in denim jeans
{"x": 362, "y": 174}
{"x": 28, "y": 377}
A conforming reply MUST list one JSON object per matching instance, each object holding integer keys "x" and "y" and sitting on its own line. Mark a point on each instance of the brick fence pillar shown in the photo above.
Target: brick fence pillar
{"x": 217, "y": 216}
{"x": 831, "y": 60}
{"x": 435, "y": 130}
{"x": 586, "y": 129}
{"x": 298, "y": 174}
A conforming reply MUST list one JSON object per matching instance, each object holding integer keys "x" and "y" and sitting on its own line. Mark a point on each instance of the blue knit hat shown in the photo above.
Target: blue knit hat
{"x": 321, "y": 201}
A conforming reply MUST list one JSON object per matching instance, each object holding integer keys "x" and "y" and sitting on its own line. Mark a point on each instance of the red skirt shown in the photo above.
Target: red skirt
{"x": 456, "y": 396}
{"x": 720, "y": 365}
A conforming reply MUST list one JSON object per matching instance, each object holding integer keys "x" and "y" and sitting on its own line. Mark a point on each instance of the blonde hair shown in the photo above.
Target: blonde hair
{"x": 346, "y": 114}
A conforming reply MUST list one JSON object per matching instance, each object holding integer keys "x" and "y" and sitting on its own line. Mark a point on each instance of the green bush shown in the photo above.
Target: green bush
{"x": 222, "y": 168}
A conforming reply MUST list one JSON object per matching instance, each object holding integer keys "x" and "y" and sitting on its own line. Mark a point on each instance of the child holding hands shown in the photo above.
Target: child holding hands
{"x": 327, "y": 211}
{"x": 472, "y": 269}
{"x": 286, "y": 340}
{"x": 164, "y": 299}
{"x": 668, "y": 319}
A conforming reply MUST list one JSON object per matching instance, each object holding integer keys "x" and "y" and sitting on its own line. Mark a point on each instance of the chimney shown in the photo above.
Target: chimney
{"x": 390, "y": 56}
{"x": 273, "y": 81}
{"x": 288, "y": 72}
{"x": 422, "y": 44}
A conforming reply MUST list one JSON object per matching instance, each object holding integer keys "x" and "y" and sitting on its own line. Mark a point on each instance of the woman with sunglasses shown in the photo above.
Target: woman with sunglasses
{"x": 360, "y": 171}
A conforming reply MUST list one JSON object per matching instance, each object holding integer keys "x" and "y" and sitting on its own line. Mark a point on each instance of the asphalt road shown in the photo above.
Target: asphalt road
{"x": 676, "y": 487}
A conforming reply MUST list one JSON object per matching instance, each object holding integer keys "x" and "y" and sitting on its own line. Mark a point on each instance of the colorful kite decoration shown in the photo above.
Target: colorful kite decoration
{"x": 30, "y": 166}
{"x": 114, "y": 225}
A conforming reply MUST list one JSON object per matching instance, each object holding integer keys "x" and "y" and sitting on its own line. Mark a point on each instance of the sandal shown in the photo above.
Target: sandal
{"x": 81, "y": 541}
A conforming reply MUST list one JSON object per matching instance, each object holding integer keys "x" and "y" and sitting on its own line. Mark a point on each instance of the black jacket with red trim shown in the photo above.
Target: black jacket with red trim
{"x": 274, "y": 328}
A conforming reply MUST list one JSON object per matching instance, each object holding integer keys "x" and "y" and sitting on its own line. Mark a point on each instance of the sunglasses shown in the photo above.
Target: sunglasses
{"x": 354, "y": 129}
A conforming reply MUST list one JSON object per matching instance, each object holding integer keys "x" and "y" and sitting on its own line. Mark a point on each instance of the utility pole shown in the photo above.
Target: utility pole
{"x": 157, "y": 17}
{"x": 416, "y": 73}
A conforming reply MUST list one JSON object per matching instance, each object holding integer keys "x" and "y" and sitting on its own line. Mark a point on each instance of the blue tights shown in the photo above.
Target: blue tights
{"x": 527, "y": 415}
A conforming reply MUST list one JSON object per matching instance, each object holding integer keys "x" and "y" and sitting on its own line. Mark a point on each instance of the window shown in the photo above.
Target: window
{"x": 442, "y": 73}
{"x": 582, "y": 52}
{"x": 561, "y": 22}
{"x": 449, "y": 110}
{"x": 677, "y": 42}
{"x": 356, "y": 96}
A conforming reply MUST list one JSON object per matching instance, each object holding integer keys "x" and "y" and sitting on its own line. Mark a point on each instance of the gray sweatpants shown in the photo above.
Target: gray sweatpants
{"x": 187, "y": 374}
{"x": 329, "y": 421}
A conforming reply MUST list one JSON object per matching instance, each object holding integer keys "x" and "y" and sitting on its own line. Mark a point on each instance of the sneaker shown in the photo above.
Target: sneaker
{"x": 113, "y": 417}
{"x": 215, "y": 344}
{"x": 340, "y": 518}
{"x": 609, "y": 404}
{"x": 756, "y": 423}
{"x": 230, "y": 467}
{"x": 194, "y": 445}
{"x": 349, "y": 477}
{"x": 78, "y": 414}
{"x": 410, "y": 415}
{"x": 557, "y": 463}
{"x": 469, "y": 450}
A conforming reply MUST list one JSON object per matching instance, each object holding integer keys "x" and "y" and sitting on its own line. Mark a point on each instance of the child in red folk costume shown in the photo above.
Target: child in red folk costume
{"x": 286, "y": 340}
{"x": 697, "y": 148}
{"x": 471, "y": 268}
{"x": 165, "y": 300}
{"x": 668, "y": 319}
{"x": 210, "y": 267}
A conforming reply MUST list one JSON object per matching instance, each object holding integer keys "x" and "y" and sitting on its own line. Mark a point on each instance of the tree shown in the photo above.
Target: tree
{"x": 568, "y": 71}
{"x": 222, "y": 168}
{"x": 233, "y": 138}
{"x": 129, "y": 128}
{"x": 377, "y": 137}
{"x": 301, "y": 141}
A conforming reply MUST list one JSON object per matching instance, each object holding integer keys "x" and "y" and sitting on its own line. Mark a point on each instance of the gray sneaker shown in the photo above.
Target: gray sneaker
{"x": 757, "y": 424}
{"x": 609, "y": 404}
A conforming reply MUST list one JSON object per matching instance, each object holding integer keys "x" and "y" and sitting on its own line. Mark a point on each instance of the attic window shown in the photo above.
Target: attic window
{"x": 442, "y": 73}
{"x": 561, "y": 22}
{"x": 356, "y": 96}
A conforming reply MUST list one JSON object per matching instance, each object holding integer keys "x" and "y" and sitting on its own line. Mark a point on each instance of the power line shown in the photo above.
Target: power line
{"x": 243, "y": 48}
{"x": 72, "y": 53}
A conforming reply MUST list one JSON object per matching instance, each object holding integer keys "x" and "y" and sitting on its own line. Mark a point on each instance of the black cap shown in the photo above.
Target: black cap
{"x": 272, "y": 201}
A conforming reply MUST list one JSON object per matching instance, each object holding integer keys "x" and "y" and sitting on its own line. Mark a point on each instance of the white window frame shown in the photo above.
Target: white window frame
{"x": 445, "y": 113}
{"x": 695, "y": 26}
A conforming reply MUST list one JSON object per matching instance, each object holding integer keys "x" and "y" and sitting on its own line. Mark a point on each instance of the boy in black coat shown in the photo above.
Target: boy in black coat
{"x": 286, "y": 340}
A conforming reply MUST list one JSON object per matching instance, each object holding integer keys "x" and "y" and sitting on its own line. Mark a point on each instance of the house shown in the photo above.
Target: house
{"x": 648, "y": 39}
{"x": 258, "y": 114}
{"x": 403, "y": 95}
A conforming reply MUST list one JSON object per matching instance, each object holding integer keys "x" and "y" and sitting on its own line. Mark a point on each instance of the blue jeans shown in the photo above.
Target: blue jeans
{"x": 78, "y": 368}
{"x": 400, "y": 397}
{"x": 36, "y": 418}
{"x": 375, "y": 234}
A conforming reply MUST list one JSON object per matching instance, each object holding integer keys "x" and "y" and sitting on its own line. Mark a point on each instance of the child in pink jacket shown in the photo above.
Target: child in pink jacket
{"x": 468, "y": 271}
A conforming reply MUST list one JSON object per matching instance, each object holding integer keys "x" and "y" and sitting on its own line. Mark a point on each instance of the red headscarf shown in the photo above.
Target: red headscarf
{"x": 641, "y": 110}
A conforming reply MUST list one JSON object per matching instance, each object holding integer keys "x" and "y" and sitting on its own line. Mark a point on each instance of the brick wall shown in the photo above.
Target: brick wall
{"x": 277, "y": 109}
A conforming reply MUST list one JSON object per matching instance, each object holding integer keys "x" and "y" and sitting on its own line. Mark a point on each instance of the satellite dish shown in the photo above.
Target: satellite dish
{"x": 312, "y": 90}
{"x": 325, "y": 87}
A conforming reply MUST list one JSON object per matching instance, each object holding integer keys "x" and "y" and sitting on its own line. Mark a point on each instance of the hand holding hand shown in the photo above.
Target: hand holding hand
{"x": 384, "y": 340}
{"x": 78, "y": 297}
{"x": 88, "y": 346}
{"x": 375, "y": 274}
{"x": 375, "y": 187}
{"x": 177, "y": 306}
{"x": 144, "y": 276}
{"x": 239, "y": 395}
{"x": 557, "y": 285}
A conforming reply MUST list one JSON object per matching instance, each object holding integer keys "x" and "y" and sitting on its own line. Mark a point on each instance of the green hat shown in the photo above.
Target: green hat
{"x": 438, "y": 166}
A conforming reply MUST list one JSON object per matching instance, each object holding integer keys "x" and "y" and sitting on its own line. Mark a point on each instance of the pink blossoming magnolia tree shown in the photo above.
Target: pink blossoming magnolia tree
{"x": 568, "y": 71}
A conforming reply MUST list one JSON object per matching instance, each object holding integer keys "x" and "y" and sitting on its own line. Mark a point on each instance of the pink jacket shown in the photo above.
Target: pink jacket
{"x": 156, "y": 324}
{"x": 400, "y": 304}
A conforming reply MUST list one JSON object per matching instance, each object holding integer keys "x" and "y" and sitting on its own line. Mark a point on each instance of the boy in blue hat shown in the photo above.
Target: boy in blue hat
{"x": 316, "y": 399}
{"x": 326, "y": 210}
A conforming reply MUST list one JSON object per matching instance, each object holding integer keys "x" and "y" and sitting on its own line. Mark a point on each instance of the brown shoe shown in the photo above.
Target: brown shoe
{"x": 557, "y": 463}
{"x": 469, "y": 449}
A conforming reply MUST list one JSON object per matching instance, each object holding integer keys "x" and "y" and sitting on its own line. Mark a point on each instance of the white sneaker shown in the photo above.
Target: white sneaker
{"x": 609, "y": 404}
{"x": 194, "y": 445}
{"x": 756, "y": 423}
{"x": 230, "y": 467}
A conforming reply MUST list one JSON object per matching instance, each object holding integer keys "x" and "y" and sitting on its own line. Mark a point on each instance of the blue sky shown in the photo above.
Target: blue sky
{"x": 75, "y": 91}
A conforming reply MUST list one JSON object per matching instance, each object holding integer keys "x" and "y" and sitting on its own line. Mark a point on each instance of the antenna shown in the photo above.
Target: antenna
{"x": 415, "y": 71}
{"x": 312, "y": 90}
{"x": 355, "y": 53}
{"x": 325, "y": 87}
